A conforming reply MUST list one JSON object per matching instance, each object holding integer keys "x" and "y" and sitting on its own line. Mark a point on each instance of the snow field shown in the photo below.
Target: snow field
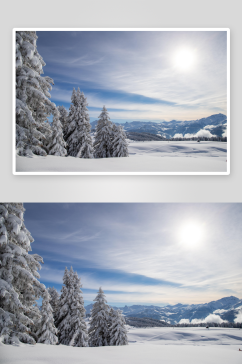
{"x": 185, "y": 346}
{"x": 185, "y": 336}
{"x": 143, "y": 157}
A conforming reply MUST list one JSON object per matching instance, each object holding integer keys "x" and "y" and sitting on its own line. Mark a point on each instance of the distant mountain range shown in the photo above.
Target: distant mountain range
{"x": 216, "y": 124}
{"x": 227, "y": 308}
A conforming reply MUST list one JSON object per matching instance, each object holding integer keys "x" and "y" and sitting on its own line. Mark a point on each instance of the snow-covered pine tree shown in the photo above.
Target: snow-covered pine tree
{"x": 70, "y": 322}
{"x": 99, "y": 322}
{"x": 103, "y": 137}
{"x": 35, "y": 316}
{"x": 118, "y": 331}
{"x": 57, "y": 144}
{"x": 85, "y": 146}
{"x": 19, "y": 285}
{"x": 47, "y": 330}
{"x": 78, "y": 328}
{"x": 115, "y": 132}
{"x": 32, "y": 96}
{"x": 54, "y": 301}
{"x": 63, "y": 314}
{"x": 119, "y": 143}
{"x": 48, "y": 137}
{"x": 77, "y": 133}
{"x": 63, "y": 116}
{"x": 70, "y": 125}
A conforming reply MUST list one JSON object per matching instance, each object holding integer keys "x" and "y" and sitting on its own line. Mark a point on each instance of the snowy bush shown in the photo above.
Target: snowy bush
{"x": 32, "y": 97}
{"x": 19, "y": 285}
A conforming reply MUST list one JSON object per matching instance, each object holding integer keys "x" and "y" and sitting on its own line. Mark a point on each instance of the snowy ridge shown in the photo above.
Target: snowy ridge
{"x": 216, "y": 124}
{"x": 227, "y": 308}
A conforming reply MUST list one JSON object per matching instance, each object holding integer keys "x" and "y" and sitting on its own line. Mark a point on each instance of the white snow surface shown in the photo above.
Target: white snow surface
{"x": 151, "y": 345}
{"x": 150, "y": 156}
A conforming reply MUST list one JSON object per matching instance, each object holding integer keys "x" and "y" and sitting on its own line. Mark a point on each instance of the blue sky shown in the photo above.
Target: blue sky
{"x": 141, "y": 253}
{"x": 138, "y": 75}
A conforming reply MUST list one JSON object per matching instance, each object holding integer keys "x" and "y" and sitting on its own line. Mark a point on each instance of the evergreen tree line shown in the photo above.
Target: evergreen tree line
{"x": 69, "y": 133}
{"x": 60, "y": 319}
{"x": 235, "y": 325}
{"x": 211, "y": 139}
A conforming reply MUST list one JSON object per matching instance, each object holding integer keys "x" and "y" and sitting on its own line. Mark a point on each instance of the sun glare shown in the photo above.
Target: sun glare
{"x": 191, "y": 234}
{"x": 184, "y": 59}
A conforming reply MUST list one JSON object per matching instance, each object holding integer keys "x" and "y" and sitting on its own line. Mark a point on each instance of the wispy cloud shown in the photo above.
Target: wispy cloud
{"x": 138, "y": 248}
{"x": 141, "y": 66}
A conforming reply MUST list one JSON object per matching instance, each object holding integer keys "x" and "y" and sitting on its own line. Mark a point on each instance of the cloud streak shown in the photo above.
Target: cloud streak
{"x": 139, "y": 65}
{"x": 138, "y": 247}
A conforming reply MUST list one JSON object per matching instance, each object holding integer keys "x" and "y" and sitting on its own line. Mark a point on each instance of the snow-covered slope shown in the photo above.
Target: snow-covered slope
{"x": 152, "y": 157}
{"x": 156, "y": 345}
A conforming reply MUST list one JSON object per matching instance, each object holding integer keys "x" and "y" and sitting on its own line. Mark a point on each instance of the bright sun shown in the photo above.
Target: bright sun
{"x": 191, "y": 234}
{"x": 184, "y": 59}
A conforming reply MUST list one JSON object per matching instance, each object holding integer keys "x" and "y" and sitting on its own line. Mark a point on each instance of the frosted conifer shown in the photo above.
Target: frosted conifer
{"x": 63, "y": 314}
{"x": 47, "y": 330}
{"x": 86, "y": 147}
{"x": 119, "y": 143}
{"x": 103, "y": 136}
{"x": 32, "y": 96}
{"x": 78, "y": 328}
{"x": 57, "y": 144}
{"x": 19, "y": 285}
{"x": 77, "y": 133}
{"x": 118, "y": 331}
{"x": 70, "y": 322}
{"x": 54, "y": 301}
{"x": 63, "y": 116}
{"x": 70, "y": 126}
{"x": 99, "y": 323}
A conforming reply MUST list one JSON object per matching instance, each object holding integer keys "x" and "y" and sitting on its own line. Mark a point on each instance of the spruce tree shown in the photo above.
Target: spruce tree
{"x": 57, "y": 144}
{"x": 119, "y": 143}
{"x": 32, "y": 96}
{"x": 63, "y": 314}
{"x": 78, "y": 328}
{"x": 71, "y": 313}
{"x": 77, "y": 133}
{"x": 85, "y": 146}
{"x": 19, "y": 286}
{"x": 118, "y": 331}
{"x": 47, "y": 330}
{"x": 99, "y": 323}
{"x": 54, "y": 301}
{"x": 63, "y": 116}
{"x": 103, "y": 136}
{"x": 70, "y": 125}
